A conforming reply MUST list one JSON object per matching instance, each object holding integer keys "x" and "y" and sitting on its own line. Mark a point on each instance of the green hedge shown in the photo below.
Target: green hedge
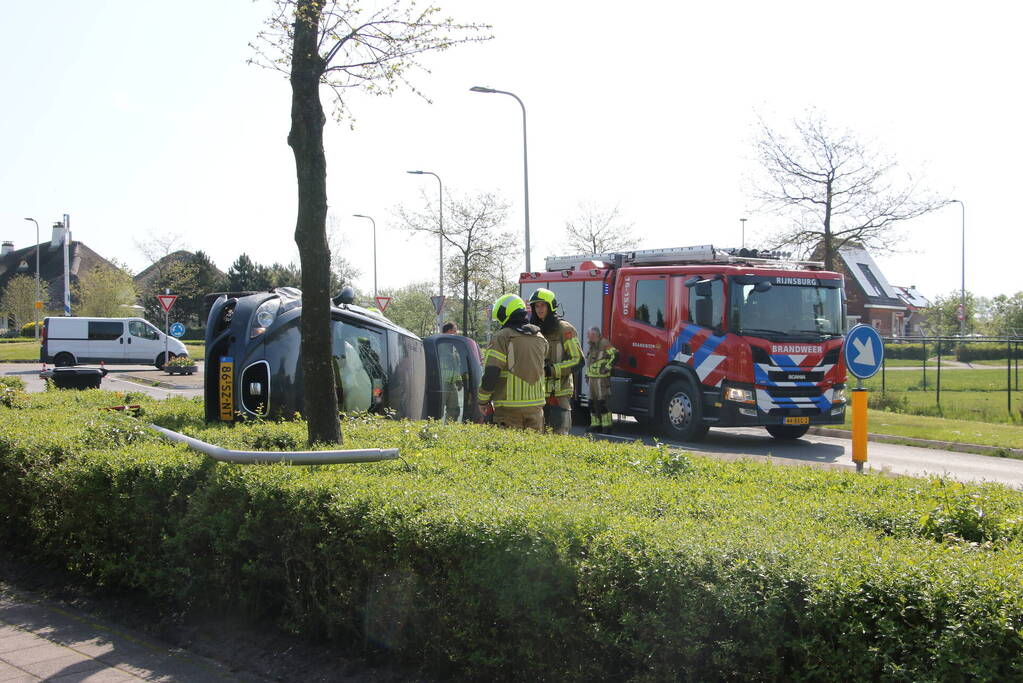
{"x": 983, "y": 351}
{"x": 491, "y": 554}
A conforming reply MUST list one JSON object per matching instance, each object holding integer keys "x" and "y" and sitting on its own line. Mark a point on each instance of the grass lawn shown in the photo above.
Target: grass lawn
{"x": 942, "y": 429}
{"x": 951, "y": 380}
{"x": 21, "y": 351}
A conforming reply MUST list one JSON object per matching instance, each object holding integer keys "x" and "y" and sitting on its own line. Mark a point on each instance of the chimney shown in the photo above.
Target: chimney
{"x": 58, "y": 235}
{"x": 7, "y": 248}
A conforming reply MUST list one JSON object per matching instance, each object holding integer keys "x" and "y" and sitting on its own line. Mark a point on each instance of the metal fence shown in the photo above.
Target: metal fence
{"x": 938, "y": 353}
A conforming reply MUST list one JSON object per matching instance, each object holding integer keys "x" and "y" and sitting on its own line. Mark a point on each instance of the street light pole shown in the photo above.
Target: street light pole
{"x": 743, "y": 221}
{"x": 525, "y": 159}
{"x": 359, "y": 215}
{"x": 35, "y": 304}
{"x": 440, "y": 274}
{"x": 962, "y": 289}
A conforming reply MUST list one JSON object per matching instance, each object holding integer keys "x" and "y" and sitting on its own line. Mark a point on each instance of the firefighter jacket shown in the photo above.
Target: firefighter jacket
{"x": 564, "y": 355}
{"x": 600, "y": 357}
{"x": 513, "y": 373}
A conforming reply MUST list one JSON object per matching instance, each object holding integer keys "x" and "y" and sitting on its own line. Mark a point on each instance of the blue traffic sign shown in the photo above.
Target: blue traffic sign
{"x": 863, "y": 351}
{"x": 177, "y": 330}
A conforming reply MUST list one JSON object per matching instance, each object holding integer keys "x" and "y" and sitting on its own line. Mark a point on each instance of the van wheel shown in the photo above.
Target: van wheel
{"x": 159, "y": 360}
{"x": 64, "y": 360}
{"x": 787, "y": 432}
{"x": 681, "y": 415}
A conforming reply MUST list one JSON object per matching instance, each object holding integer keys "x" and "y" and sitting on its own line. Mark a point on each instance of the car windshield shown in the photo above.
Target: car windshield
{"x": 796, "y": 311}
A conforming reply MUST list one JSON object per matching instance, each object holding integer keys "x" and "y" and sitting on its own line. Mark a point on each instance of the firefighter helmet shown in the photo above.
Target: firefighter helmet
{"x": 546, "y": 296}
{"x": 505, "y": 306}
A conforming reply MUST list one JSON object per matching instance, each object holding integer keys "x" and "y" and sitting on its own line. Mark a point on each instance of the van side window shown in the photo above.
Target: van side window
{"x": 104, "y": 331}
{"x": 707, "y": 298}
{"x": 650, "y": 302}
{"x": 141, "y": 330}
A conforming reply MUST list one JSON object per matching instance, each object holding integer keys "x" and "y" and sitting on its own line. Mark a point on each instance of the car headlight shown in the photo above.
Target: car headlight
{"x": 264, "y": 317}
{"x": 738, "y": 395}
{"x": 838, "y": 395}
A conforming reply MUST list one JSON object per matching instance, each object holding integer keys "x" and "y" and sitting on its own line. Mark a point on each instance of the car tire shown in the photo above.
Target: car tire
{"x": 681, "y": 413}
{"x": 787, "y": 432}
{"x": 64, "y": 360}
{"x": 159, "y": 360}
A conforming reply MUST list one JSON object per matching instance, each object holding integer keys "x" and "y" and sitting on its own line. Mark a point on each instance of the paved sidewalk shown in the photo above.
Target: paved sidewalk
{"x": 43, "y": 640}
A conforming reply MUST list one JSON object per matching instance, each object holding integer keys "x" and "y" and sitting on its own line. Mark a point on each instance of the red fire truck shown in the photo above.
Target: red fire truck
{"x": 710, "y": 337}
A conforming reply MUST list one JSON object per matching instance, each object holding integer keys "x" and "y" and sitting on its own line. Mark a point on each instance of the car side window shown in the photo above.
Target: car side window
{"x": 359, "y": 366}
{"x": 139, "y": 329}
{"x": 104, "y": 330}
{"x": 707, "y": 302}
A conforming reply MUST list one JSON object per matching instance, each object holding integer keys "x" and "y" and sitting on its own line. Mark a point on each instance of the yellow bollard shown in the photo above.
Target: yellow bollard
{"x": 859, "y": 428}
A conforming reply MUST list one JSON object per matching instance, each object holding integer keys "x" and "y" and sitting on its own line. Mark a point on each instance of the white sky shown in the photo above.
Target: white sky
{"x": 142, "y": 117}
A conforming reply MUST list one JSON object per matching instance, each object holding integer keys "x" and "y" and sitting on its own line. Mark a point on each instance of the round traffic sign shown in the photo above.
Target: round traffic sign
{"x": 177, "y": 330}
{"x": 863, "y": 351}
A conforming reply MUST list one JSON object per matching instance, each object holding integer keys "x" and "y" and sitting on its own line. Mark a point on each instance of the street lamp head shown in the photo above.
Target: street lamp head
{"x": 416, "y": 172}
{"x": 358, "y": 215}
{"x": 480, "y": 88}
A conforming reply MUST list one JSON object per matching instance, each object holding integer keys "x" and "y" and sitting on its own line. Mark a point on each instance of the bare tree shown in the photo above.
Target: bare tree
{"x": 474, "y": 229}
{"x": 335, "y": 44}
{"x": 834, "y": 189}
{"x": 342, "y": 270}
{"x": 598, "y": 229}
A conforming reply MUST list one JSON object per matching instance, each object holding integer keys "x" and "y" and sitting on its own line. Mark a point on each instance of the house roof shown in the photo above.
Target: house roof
{"x": 912, "y": 296}
{"x": 51, "y": 266}
{"x": 869, "y": 277}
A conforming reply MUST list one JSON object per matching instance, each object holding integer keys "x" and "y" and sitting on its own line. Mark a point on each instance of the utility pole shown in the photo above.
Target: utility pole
{"x": 743, "y": 221}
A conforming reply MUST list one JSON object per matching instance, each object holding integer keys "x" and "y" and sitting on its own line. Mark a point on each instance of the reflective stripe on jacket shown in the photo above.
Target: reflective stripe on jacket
{"x": 600, "y": 357}
{"x": 564, "y": 354}
{"x": 519, "y": 355}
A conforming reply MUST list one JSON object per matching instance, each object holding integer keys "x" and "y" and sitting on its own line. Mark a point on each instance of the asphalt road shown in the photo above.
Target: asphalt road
{"x": 752, "y": 443}
{"x": 826, "y": 451}
{"x": 121, "y": 378}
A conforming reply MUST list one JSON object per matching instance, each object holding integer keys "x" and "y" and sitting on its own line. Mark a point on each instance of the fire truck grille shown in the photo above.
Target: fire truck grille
{"x": 794, "y": 392}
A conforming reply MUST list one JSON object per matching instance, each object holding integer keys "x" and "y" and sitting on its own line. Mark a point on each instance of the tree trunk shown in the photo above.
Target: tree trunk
{"x": 306, "y": 141}
{"x": 465, "y": 294}
{"x": 829, "y": 241}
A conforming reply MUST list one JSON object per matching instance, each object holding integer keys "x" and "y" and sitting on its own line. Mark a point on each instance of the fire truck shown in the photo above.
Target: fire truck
{"x": 709, "y": 337}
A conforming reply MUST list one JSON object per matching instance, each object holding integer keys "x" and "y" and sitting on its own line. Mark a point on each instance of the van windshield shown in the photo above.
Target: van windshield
{"x": 804, "y": 311}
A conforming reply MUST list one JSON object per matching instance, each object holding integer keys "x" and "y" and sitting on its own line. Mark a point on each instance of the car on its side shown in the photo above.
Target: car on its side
{"x": 253, "y": 368}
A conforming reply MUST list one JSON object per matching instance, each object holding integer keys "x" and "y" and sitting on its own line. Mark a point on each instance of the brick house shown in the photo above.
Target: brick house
{"x": 870, "y": 298}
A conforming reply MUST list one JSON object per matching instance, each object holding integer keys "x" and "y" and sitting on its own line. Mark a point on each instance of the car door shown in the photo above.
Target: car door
{"x": 106, "y": 341}
{"x": 143, "y": 342}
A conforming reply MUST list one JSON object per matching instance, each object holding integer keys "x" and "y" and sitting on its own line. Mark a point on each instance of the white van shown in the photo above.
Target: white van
{"x": 126, "y": 341}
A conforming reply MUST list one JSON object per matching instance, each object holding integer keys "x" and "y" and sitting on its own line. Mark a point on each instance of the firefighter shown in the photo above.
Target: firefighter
{"x": 512, "y": 388}
{"x": 600, "y": 357}
{"x": 564, "y": 355}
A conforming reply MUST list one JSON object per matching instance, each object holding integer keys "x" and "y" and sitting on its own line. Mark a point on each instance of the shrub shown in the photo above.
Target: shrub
{"x": 29, "y": 329}
{"x": 491, "y": 554}
{"x": 180, "y": 362}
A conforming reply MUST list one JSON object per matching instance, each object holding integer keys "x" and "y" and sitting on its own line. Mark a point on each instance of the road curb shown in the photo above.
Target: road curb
{"x": 999, "y": 451}
{"x": 154, "y": 382}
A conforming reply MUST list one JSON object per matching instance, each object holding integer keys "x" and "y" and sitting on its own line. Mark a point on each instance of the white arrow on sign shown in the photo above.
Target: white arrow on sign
{"x": 865, "y": 351}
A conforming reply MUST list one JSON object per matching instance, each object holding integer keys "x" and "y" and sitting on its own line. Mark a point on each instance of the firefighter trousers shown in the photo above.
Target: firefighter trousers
{"x": 519, "y": 418}
{"x": 558, "y": 414}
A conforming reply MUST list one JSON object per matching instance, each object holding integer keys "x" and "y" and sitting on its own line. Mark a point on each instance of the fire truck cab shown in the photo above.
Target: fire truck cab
{"x": 709, "y": 337}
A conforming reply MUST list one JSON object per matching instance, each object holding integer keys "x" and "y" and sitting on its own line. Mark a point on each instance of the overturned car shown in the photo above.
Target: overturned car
{"x": 253, "y": 366}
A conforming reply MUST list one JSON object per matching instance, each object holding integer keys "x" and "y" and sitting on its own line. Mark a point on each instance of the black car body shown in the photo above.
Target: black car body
{"x": 253, "y": 350}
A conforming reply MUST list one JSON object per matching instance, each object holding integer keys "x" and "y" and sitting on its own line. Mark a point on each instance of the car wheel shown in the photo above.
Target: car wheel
{"x": 787, "y": 432}
{"x": 159, "y": 361}
{"x": 64, "y": 360}
{"x": 681, "y": 415}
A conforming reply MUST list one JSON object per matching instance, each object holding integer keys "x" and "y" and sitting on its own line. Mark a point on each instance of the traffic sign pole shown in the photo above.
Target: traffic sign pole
{"x": 863, "y": 351}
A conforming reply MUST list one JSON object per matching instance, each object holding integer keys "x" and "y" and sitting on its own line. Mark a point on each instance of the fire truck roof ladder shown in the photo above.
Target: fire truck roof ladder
{"x": 675, "y": 256}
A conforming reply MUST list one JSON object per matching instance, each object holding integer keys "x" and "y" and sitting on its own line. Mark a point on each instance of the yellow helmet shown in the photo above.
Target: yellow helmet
{"x": 505, "y": 306}
{"x": 546, "y": 296}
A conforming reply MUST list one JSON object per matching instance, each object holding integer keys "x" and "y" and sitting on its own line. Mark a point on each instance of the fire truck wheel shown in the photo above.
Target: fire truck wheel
{"x": 787, "y": 432}
{"x": 681, "y": 413}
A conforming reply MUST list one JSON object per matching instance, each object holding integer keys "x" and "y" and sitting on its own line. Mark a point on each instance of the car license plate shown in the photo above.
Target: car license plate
{"x": 226, "y": 388}
{"x": 797, "y": 420}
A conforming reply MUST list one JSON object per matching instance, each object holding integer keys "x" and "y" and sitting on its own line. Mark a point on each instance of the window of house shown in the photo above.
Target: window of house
{"x": 105, "y": 331}
{"x": 650, "y": 302}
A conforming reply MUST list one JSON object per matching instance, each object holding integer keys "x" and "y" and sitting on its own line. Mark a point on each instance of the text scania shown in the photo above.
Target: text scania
{"x": 807, "y": 281}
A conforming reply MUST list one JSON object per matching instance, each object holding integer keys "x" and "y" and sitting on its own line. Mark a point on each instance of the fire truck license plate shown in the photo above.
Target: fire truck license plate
{"x": 226, "y": 388}
{"x": 797, "y": 420}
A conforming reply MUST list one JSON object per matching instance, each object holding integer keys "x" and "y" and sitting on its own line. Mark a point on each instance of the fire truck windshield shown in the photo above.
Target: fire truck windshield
{"x": 762, "y": 307}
